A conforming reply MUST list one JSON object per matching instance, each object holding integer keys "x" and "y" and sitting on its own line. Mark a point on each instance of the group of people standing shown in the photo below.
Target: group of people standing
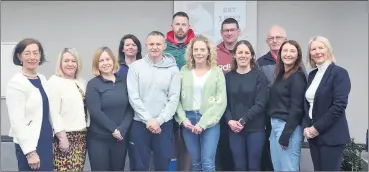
{"x": 222, "y": 108}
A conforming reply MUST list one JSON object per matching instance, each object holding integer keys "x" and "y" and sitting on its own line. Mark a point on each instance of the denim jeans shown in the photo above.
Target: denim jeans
{"x": 289, "y": 159}
{"x": 201, "y": 147}
{"x": 247, "y": 148}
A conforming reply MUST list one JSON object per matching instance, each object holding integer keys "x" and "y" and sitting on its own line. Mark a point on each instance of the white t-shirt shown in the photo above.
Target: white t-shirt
{"x": 198, "y": 85}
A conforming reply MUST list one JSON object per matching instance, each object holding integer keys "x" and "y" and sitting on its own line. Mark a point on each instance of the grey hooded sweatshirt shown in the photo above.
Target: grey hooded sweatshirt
{"x": 154, "y": 89}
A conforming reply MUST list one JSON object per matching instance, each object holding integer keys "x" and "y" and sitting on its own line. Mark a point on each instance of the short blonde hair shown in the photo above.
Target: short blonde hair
{"x": 310, "y": 62}
{"x": 211, "y": 59}
{"x": 74, "y": 53}
{"x": 96, "y": 58}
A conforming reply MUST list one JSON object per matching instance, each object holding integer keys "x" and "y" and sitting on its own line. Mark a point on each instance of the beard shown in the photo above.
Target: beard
{"x": 180, "y": 37}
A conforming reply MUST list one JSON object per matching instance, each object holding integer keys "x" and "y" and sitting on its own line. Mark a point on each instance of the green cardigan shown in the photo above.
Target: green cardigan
{"x": 214, "y": 97}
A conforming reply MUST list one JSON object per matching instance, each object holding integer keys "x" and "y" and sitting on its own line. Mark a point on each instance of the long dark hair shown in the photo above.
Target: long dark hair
{"x": 252, "y": 51}
{"x": 121, "y": 54}
{"x": 279, "y": 69}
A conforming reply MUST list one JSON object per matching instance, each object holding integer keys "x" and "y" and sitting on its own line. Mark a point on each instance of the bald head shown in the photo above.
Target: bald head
{"x": 275, "y": 29}
{"x": 276, "y": 36}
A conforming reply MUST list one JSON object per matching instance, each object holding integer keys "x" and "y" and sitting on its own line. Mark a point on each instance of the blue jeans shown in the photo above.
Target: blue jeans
{"x": 289, "y": 159}
{"x": 247, "y": 148}
{"x": 201, "y": 147}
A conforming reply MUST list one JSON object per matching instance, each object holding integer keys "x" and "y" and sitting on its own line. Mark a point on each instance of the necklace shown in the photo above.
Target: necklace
{"x": 30, "y": 76}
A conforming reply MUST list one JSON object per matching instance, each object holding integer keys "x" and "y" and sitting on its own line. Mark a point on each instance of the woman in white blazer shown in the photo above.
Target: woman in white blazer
{"x": 67, "y": 105}
{"x": 28, "y": 109}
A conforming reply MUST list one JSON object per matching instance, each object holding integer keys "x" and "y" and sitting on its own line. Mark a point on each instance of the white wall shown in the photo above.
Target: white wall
{"x": 345, "y": 24}
{"x": 88, "y": 25}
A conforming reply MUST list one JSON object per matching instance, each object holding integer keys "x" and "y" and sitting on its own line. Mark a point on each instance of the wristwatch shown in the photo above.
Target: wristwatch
{"x": 242, "y": 121}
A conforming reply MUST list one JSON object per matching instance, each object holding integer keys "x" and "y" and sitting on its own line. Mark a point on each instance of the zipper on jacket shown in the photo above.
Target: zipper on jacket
{"x": 29, "y": 123}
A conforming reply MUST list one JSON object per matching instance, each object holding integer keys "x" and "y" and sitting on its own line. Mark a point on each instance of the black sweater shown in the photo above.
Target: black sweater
{"x": 108, "y": 105}
{"x": 247, "y": 97}
{"x": 286, "y": 102}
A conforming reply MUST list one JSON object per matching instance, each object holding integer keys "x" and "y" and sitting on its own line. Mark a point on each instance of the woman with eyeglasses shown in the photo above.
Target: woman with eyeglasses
{"x": 28, "y": 109}
{"x": 247, "y": 96}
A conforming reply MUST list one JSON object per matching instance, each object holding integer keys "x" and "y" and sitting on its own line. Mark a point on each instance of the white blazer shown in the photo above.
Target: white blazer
{"x": 66, "y": 104}
{"x": 25, "y": 110}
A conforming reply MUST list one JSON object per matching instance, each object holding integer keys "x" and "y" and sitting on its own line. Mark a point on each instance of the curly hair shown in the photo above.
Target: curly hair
{"x": 211, "y": 59}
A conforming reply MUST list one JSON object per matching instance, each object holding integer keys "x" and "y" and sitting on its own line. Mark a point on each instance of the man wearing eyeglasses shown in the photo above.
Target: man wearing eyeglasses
{"x": 230, "y": 32}
{"x": 276, "y": 36}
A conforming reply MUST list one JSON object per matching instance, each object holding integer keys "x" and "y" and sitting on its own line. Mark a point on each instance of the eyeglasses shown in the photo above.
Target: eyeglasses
{"x": 29, "y": 54}
{"x": 278, "y": 38}
{"x": 229, "y": 30}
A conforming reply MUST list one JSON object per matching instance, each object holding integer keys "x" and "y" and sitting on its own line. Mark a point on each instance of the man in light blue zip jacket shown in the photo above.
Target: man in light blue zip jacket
{"x": 153, "y": 87}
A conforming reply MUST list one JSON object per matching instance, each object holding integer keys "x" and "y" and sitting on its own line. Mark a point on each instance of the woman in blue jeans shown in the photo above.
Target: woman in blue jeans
{"x": 286, "y": 108}
{"x": 202, "y": 103}
{"x": 247, "y": 96}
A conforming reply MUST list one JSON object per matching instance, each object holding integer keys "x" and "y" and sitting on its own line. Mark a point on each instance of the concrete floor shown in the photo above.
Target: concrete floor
{"x": 9, "y": 161}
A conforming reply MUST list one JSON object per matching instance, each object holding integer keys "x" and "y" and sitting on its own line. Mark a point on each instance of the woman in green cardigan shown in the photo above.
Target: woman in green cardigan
{"x": 202, "y": 103}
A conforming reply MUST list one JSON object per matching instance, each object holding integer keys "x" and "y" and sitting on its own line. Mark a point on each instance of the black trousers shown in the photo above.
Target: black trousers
{"x": 106, "y": 153}
{"x": 326, "y": 158}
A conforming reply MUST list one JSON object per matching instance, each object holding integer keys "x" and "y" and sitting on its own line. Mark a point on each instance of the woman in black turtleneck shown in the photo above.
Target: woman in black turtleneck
{"x": 286, "y": 108}
{"x": 246, "y": 95}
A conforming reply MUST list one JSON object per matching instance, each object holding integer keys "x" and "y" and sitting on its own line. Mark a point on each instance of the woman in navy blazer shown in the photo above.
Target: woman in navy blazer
{"x": 325, "y": 125}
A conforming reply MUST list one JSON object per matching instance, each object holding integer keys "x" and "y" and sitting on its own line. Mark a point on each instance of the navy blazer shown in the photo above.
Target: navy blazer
{"x": 330, "y": 102}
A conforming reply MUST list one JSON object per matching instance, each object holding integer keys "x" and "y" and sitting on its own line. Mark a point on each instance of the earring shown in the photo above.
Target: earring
{"x": 21, "y": 62}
